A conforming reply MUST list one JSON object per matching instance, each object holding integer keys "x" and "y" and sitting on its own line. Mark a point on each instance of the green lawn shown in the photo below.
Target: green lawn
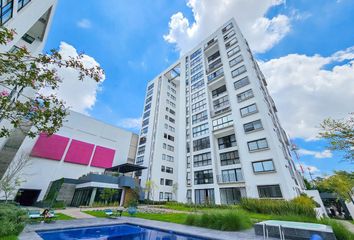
{"x": 62, "y": 216}
{"x": 9, "y": 238}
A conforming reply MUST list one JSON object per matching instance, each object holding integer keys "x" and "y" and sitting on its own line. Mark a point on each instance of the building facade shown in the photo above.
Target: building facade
{"x": 82, "y": 146}
{"x": 210, "y": 131}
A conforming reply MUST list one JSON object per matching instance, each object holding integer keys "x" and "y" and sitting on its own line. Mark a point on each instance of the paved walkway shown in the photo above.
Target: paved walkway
{"x": 75, "y": 213}
{"x": 30, "y": 230}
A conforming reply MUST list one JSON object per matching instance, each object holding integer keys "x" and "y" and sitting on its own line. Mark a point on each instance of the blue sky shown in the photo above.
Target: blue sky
{"x": 126, "y": 39}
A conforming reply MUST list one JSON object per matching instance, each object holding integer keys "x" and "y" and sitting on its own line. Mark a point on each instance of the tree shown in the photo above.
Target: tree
{"x": 107, "y": 194}
{"x": 340, "y": 134}
{"x": 19, "y": 70}
{"x": 12, "y": 177}
{"x": 150, "y": 186}
{"x": 340, "y": 182}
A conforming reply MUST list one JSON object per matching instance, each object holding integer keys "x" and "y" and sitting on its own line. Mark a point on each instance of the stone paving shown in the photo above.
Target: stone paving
{"x": 29, "y": 233}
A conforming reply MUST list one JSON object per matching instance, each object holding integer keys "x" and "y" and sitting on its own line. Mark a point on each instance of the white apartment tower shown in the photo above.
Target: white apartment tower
{"x": 210, "y": 131}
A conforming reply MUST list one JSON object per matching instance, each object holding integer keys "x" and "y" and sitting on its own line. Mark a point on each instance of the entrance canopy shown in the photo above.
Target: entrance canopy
{"x": 125, "y": 168}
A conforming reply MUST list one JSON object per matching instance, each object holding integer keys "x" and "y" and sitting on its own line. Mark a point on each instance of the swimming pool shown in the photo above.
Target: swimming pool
{"x": 114, "y": 232}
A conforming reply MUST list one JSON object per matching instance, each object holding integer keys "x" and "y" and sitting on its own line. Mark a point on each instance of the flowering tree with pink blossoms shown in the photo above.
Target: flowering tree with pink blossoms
{"x": 19, "y": 72}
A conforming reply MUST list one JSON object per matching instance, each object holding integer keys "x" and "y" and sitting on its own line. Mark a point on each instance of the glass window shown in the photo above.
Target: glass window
{"x": 231, "y": 175}
{"x": 258, "y": 144}
{"x": 218, "y": 73}
{"x": 236, "y": 60}
{"x": 200, "y": 130}
{"x": 227, "y": 141}
{"x": 203, "y": 177}
{"x": 238, "y": 71}
{"x": 204, "y": 196}
{"x": 221, "y": 103}
{"x": 198, "y": 105}
{"x": 253, "y": 126}
{"x": 263, "y": 166}
{"x": 229, "y": 158}
{"x": 214, "y": 56}
{"x": 147, "y": 107}
{"x": 251, "y": 109}
{"x": 6, "y": 8}
{"x": 232, "y": 42}
{"x": 222, "y": 122}
{"x": 241, "y": 83}
{"x": 245, "y": 95}
{"x": 227, "y": 28}
{"x": 198, "y": 95}
{"x": 217, "y": 92}
{"x": 168, "y": 182}
{"x": 197, "y": 85}
{"x": 196, "y": 53}
{"x": 141, "y": 150}
{"x": 201, "y": 144}
{"x": 203, "y": 159}
{"x": 269, "y": 191}
{"x": 229, "y": 35}
{"x": 233, "y": 51}
{"x": 199, "y": 117}
{"x": 197, "y": 77}
{"x": 139, "y": 160}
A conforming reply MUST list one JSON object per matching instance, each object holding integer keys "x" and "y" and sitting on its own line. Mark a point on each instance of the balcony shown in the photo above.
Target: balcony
{"x": 214, "y": 65}
{"x": 215, "y": 75}
{"x": 229, "y": 178}
{"x": 210, "y": 43}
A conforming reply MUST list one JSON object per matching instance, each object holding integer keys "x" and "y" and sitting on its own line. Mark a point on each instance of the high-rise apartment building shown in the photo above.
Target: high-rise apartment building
{"x": 210, "y": 131}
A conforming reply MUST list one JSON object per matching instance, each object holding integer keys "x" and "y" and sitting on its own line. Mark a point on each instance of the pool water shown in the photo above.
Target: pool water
{"x": 114, "y": 232}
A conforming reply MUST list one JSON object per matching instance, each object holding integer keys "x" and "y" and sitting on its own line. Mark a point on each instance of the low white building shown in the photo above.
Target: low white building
{"x": 83, "y": 145}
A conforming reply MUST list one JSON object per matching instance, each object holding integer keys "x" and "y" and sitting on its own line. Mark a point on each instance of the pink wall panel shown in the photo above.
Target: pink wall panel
{"x": 79, "y": 152}
{"x": 103, "y": 157}
{"x": 51, "y": 147}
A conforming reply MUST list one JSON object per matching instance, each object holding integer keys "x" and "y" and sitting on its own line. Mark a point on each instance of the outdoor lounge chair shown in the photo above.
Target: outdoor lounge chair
{"x": 51, "y": 218}
{"x": 34, "y": 215}
{"x": 113, "y": 214}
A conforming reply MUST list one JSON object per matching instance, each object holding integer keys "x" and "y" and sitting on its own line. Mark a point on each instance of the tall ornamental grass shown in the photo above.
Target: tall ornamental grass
{"x": 296, "y": 206}
{"x": 12, "y": 219}
{"x": 230, "y": 220}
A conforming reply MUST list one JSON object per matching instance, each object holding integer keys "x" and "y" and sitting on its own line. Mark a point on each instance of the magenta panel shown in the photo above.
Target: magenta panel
{"x": 50, "y": 147}
{"x": 103, "y": 157}
{"x": 79, "y": 152}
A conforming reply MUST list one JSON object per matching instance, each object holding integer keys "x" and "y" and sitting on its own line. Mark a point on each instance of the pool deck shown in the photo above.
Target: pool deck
{"x": 29, "y": 231}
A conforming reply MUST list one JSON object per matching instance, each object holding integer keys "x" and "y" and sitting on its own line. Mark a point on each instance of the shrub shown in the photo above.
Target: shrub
{"x": 177, "y": 205}
{"x": 339, "y": 230}
{"x": 12, "y": 219}
{"x": 231, "y": 220}
{"x": 278, "y": 207}
{"x": 306, "y": 201}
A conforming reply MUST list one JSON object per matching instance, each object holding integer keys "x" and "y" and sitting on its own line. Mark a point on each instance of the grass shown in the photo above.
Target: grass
{"x": 12, "y": 237}
{"x": 62, "y": 216}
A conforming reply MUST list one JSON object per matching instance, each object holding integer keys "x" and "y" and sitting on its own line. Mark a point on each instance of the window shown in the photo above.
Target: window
{"x": 238, "y": 71}
{"x": 22, "y": 3}
{"x": 201, "y": 144}
{"x": 227, "y": 28}
{"x": 171, "y": 120}
{"x": 231, "y": 43}
{"x": 213, "y": 56}
{"x": 197, "y": 85}
{"x": 196, "y": 77}
{"x": 227, "y": 141}
{"x": 162, "y": 181}
{"x": 196, "y": 53}
{"x": 196, "y": 118}
{"x": 229, "y": 158}
{"x": 269, "y": 191}
{"x": 257, "y": 144}
{"x": 222, "y": 122}
{"x": 168, "y": 196}
{"x": 28, "y": 38}
{"x": 144, "y": 130}
{"x": 231, "y": 175}
{"x": 215, "y": 75}
{"x": 204, "y": 196}
{"x": 196, "y": 69}
{"x": 233, "y": 51}
{"x": 141, "y": 150}
{"x": 169, "y": 137}
{"x": 203, "y": 159}
{"x": 147, "y": 107}
{"x": 163, "y": 168}
{"x": 170, "y": 148}
{"x": 245, "y": 95}
{"x": 146, "y": 114}
{"x": 221, "y": 102}
{"x": 169, "y": 170}
{"x": 217, "y": 92}
{"x": 160, "y": 196}
{"x": 168, "y": 182}
{"x": 167, "y": 158}
{"x": 172, "y": 112}
{"x": 203, "y": 177}
{"x": 200, "y": 130}
{"x": 241, "y": 83}
{"x": 250, "y": 109}
{"x": 151, "y": 86}
{"x": 198, "y": 105}
{"x": 148, "y": 99}
{"x": 6, "y": 11}
{"x": 236, "y": 60}
{"x": 229, "y": 35}
{"x": 198, "y": 95}
{"x": 253, "y": 126}
{"x": 139, "y": 160}
{"x": 189, "y": 196}
{"x": 214, "y": 65}
{"x": 263, "y": 166}
{"x": 142, "y": 140}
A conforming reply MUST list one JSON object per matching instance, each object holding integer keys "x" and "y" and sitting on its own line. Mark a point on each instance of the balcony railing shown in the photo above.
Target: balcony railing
{"x": 230, "y": 178}
{"x": 215, "y": 75}
{"x": 210, "y": 43}
{"x": 214, "y": 65}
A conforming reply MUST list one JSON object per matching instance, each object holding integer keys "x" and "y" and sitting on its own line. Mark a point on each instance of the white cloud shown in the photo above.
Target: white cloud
{"x": 130, "y": 123}
{"x": 305, "y": 92}
{"x": 307, "y": 168}
{"x": 79, "y": 95}
{"x": 261, "y": 32}
{"x": 84, "y": 23}
{"x": 316, "y": 154}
